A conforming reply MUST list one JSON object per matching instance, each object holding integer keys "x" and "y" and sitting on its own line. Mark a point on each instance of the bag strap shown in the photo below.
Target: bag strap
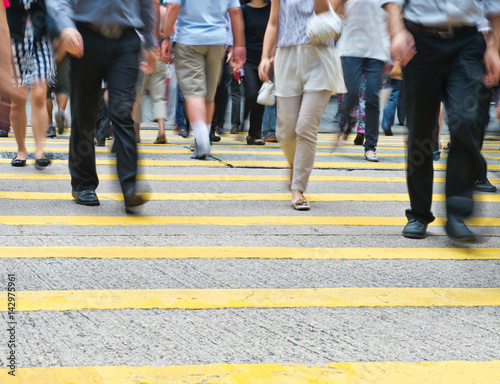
{"x": 342, "y": 3}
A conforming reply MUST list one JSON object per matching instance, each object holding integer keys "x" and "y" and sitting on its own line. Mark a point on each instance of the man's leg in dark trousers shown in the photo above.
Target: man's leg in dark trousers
{"x": 86, "y": 75}
{"x": 423, "y": 79}
{"x": 121, "y": 76}
{"x": 466, "y": 100}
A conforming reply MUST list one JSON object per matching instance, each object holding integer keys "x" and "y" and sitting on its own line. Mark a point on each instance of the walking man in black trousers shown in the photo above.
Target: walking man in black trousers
{"x": 444, "y": 57}
{"x": 101, "y": 37}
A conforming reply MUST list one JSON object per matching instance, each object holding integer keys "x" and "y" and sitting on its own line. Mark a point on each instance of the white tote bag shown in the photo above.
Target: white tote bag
{"x": 266, "y": 94}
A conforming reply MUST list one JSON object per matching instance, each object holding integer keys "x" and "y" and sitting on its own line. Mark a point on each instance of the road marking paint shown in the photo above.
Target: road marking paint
{"x": 69, "y": 300}
{"x": 442, "y": 372}
{"x": 249, "y": 253}
{"x": 45, "y": 176}
{"x": 227, "y": 220}
{"x": 313, "y": 197}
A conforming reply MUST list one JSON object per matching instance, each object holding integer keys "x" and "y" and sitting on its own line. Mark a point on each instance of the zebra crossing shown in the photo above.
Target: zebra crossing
{"x": 218, "y": 280}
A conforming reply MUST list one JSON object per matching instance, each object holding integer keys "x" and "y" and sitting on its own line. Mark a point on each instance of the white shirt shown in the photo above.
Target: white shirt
{"x": 365, "y": 33}
{"x": 447, "y": 12}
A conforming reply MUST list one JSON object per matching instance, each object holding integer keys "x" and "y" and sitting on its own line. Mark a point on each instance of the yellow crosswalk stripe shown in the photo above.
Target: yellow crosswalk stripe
{"x": 276, "y": 152}
{"x": 228, "y": 220}
{"x": 117, "y": 252}
{"x": 367, "y": 179}
{"x": 252, "y": 298}
{"x": 442, "y": 372}
{"x": 313, "y": 197}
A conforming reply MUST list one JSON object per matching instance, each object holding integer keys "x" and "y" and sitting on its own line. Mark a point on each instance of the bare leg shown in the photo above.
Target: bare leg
{"x": 210, "y": 107}
{"x": 50, "y": 110}
{"x": 19, "y": 120}
{"x": 137, "y": 127}
{"x": 161, "y": 129}
{"x": 39, "y": 116}
{"x": 62, "y": 101}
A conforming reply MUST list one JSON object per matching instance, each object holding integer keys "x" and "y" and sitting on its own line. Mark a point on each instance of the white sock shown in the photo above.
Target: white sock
{"x": 209, "y": 127}
{"x": 201, "y": 136}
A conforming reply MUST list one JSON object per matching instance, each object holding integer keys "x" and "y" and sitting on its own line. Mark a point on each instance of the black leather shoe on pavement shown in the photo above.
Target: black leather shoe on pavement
{"x": 457, "y": 230}
{"x": 484, "y": 185}
{"x": 101, "y": 142}
{"x": 415, "y": 229}
{"x": 86, "y": 197}
{"x": 132, "y": 201}
{"x": 213, "y": 137}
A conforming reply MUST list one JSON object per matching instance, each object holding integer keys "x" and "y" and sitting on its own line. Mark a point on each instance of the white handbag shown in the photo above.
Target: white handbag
{"x": 266, "y": 94}
{"x": 324, "y": 27}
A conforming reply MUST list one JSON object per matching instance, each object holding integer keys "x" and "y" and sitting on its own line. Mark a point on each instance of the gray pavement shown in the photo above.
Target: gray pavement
{"x": 304, "y": 335}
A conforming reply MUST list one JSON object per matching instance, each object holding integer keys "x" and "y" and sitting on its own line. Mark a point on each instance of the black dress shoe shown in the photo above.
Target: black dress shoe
{"x": 415, "y": 229}
{"x": 132, "y": 201}
{"x": 388, "y": 132}
{"x": 484, "y": 185}
{"x": 86, "y": 197}
{"x": 4, "y": 133}
{"x": 359, "y": 139}
{"x": 18, "y": 162}
{"x": 41, "y": 164}
{"x": 101, "y": 142}
{"x": 457, "y": 230}
{"x": 213, "y": 137}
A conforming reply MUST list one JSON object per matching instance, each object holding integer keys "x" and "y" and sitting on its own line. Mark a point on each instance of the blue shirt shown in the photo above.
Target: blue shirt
{"x": 202, "y": 22}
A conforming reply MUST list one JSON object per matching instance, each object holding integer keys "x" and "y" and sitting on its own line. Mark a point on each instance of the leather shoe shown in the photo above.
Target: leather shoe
{"x": 415, "y": 229}
{"x": 484, "y": 185}
{"x": 132, "y": 201}
{"x": 457, "y": 230}
{"x": 213, "y": 137}
{"x": 86, "y": 197}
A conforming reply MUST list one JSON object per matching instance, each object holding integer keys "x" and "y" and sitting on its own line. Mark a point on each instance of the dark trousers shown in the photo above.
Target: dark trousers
{"x": 103, "y": 127}
{"x": 401, "y": 109}
{"x": 252, "y": 108}
{"x": 180, "y": 114}
{"x": 354, "y": 67}
{"x": 450, "y": 70}
{"x": 235, "y": 102}
{"x": 222, "y": 97}
{"x": 116, "y": 61}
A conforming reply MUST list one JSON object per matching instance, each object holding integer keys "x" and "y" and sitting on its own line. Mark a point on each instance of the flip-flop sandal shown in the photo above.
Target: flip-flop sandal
{"x": 160, "y": 141}
{"x": 18, "y": 162}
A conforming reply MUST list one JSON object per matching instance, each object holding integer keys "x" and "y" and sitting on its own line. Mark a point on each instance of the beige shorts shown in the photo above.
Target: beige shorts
{"x": 198, "y": 69}
{"x": 307, "y": 68}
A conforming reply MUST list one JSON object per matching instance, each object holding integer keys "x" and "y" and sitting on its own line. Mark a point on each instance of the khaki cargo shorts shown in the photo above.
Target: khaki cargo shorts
{"x": 198, "y": 69}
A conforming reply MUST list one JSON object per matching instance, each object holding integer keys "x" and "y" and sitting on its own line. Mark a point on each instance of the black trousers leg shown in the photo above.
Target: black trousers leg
{"x": 121, "y": 75}
{"x": 256, "y": 110}
{"x": 103, "y": 127}
{"x": 222, "y": 97}
{"x": 86, "y": 77}
{"x": 235, "y": 102}
{"x": 423, "y": 83}
{"x": 466, "y": 100}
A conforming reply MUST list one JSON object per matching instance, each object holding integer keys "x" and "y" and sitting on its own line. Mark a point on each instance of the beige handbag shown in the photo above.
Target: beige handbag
{"x": 324, "y": 27}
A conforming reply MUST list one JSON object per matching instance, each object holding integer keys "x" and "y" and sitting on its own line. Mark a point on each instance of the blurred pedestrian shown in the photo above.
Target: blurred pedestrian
{"x": 306, "y": 75}
{"x": 444, "y": 57}
{"x": 103, "y": 43}
{"x": 33, "y": 67}
{"x": 200, "y": 41}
